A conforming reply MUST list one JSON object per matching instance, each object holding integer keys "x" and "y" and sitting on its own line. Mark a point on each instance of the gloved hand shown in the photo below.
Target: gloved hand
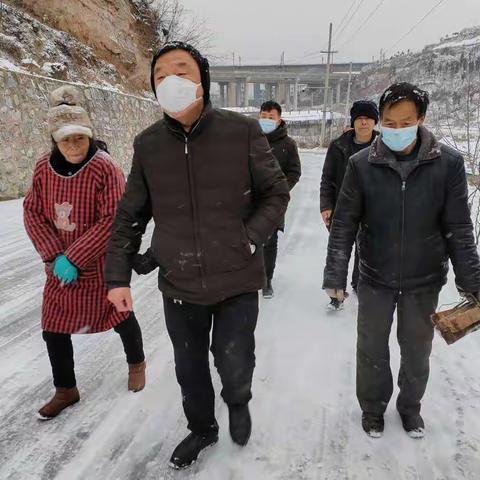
{"x": 144, "y": 264}
{"x": 253, "y": 248}
{"x": 64, "y": 270}
{"x": 336, "y": 293}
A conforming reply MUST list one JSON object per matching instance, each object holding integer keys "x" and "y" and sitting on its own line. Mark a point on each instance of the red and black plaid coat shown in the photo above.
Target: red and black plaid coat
{"x": 73, "y": 216}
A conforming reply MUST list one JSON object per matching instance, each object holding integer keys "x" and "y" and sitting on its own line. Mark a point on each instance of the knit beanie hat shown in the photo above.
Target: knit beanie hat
{"x": 202, "y": 63}
{"x": 364, "y": 108}
{"x": 66, "y": 116}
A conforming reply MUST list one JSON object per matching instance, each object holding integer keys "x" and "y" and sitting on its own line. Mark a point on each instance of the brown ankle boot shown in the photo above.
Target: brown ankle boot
{"x": 136, "y": 376}
{"x": 63, "y": 398}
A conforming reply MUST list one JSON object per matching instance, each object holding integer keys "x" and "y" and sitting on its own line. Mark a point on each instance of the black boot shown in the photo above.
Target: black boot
{"x": 373, "y": 424}
{"x": 189, "y": 448}
{"x": 240, "y": 424}
{"x": 413, "y": 425}
{"x": 267, "y": 291}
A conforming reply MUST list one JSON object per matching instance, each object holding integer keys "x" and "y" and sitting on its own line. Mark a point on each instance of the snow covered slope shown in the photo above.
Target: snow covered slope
{"x": 449, "y": 70}
{"x": 305, "y": 414}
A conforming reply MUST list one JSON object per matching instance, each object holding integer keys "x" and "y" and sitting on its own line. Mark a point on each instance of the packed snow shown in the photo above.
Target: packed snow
{"x": 8, "y": 65}
{"x": 470, "y": 42}
{"x": 305, "y": 414}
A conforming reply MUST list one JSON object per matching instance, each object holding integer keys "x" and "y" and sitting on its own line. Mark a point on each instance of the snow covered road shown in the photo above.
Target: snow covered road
{"x": 305, "y": 414}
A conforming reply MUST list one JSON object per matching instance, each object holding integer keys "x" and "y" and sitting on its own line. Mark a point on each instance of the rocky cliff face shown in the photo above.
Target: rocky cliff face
{"x": 449, "y": 70}
{"x": 103, "y": 42}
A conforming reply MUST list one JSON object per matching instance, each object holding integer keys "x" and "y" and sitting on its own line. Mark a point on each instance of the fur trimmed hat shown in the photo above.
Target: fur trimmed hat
{"x": 66, "y": 116}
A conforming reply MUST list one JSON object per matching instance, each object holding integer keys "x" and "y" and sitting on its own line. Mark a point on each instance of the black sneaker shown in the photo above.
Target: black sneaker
{"x": 268, "y": 290}
{"x": 335, "y": 304}
{"x": 413, "y": 425}
{"x": 188, "y": 449}
{"x": 240, "y": 424}
{"x": 373, "y": 424}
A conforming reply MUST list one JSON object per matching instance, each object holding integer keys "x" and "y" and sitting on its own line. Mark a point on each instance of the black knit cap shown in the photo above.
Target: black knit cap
{"x": 202, "y": 63}
{"x": 364, "y": 108}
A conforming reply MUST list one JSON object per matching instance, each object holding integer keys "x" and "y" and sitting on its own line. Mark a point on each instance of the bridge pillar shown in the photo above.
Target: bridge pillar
{"x": 339, "y": 91}
{"x": 232, "y": 94}
{"x": 245, "y": 92}
{"x": 238, "y": 100}
{"x": 281, "y": 93}
{"x": 276, "y": 92}
{"x": 268, "y": 91}
{"x": 288, "y": 95}
{"x": 223, "y": 93}
{"x": 258, "y": 96}
{"x": 295, "y": 95}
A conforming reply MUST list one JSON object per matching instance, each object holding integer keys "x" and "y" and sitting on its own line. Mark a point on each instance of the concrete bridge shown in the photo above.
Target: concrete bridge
{"x": 280, "y": 82}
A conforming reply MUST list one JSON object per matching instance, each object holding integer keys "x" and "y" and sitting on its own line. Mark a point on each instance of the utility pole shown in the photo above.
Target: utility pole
{"x": 327, "y": 82}
{"x": 347, "y": 103}
{"x": 331, "y": 113}
{"x": 233, "y": 58}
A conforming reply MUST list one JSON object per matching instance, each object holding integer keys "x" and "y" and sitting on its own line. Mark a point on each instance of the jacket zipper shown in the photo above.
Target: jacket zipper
{"x": 402, "y": 243}
{"x": 194, "y": 212}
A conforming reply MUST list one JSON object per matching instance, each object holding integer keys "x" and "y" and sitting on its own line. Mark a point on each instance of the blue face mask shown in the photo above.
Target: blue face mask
{"x": 398, "y": 139}
{"x": 267, "y": 124}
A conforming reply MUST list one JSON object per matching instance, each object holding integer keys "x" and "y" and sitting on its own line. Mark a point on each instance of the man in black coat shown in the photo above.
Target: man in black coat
{"x": 363, "y": 118}
{"x": 407, "y": 198}
{"x": 286, "y": 152}
{"x": 210, "y": 182}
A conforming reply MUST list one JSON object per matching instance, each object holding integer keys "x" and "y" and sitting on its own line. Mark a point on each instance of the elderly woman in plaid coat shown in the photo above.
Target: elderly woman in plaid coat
{"x": 68, "y": 214}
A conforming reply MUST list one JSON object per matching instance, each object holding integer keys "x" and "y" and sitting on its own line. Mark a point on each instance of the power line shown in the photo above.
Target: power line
{"x": 372, "y": 13}
{"x": 349, "y": 20}
{"x": 311, "y": 54}
{"x": 346, "y": 14}
{"x": 318, "y": 52}
{"x": 417, "y": 24}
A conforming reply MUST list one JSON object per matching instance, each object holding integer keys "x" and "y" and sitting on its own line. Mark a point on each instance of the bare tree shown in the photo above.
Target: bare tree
{"x": 171, "y": 21}
{"x": 456, "y": 120}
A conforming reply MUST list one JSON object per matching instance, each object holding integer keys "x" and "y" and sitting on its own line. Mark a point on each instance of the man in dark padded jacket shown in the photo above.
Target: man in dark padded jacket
{"x": 363, "y": 118}
{"x": 407, "y": 198}
{"x": 285, "y": 150}
{"x": 216, "y": 193}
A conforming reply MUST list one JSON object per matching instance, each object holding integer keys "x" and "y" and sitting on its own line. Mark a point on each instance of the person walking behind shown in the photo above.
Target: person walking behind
{"x": 363, "y": 118}
{"x": 285, "y": 150}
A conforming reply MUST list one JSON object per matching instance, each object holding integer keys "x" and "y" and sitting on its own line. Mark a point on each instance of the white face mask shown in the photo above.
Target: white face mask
{"x": 175, "y": 94}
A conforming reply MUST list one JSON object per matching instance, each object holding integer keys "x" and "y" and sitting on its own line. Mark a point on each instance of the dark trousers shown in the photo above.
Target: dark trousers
{"x": 60, "y": 350}
{"x": 233, "y": 348}
{"x": 270, "y": 251}
{"x": 376, "y": 307}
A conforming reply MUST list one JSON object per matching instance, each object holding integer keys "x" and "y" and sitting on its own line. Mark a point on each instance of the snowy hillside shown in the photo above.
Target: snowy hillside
{"x": 107, "y": 44}
{"x": 449, "y": 70}
{"x": 305, "y": 414}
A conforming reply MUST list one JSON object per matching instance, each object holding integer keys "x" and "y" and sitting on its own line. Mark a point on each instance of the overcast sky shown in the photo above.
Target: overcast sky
{"x": 259, "y": 30}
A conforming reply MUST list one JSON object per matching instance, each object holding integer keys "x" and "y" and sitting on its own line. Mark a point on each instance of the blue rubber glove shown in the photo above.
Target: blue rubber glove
{"x": 65, "y": 271}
